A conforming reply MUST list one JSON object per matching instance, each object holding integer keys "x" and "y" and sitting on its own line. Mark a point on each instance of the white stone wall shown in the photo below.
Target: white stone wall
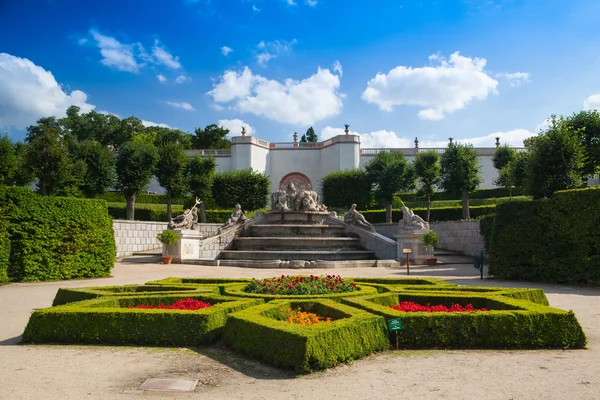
{"x": 460, "y": 236}
{"x": 135, "y": 236}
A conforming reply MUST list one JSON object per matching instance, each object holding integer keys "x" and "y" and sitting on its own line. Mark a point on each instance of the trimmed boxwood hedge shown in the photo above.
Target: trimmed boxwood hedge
{"x": 70, "y": 295}
{"x": 54, "y": 238}
{"x": 476, "y": 194}
{"x": 510, "y": 323}
{"x": 238, "y": 291}
{"x": 437, "y": 214}
{"x": 108, "y": 320}
{"x": 352, "y": 334}
{"x": 555, "y": 240}
{"x": 4, "y": 248}
{"x": 149, "y": 213}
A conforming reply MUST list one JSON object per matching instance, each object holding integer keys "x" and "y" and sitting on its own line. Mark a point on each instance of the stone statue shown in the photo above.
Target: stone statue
{"x": 412, "y": 221}
{"x": 187, "y": 220}
{"x": 237, "y": 217}
{"x": 293, "y": 200}
{"x": 306, "y": 200}
{"x": 353, "y": 217}
{"x": 291, "y": 196}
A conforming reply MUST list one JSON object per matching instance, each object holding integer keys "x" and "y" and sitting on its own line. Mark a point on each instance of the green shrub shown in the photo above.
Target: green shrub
{"x": 118, "y": 197}
{"x": 248, "y": 188}
{"x": 70, "y": 295}
{"x": 352, "y": 334}
{"x": 486, "y": 228}
{"x": 437, "y": 214}
{"x": 343, "y": 188}
{"x": 510, "y": 323}
{"x": 54, "y": 238}
{"x": 108, "y": 320}
{"x": 476, "y": 194}
{"x": 430, "y": 238}
{"x": 458, "y": 203}
{"x": 167, "y": 236}
{"x": 4, "y": 249}
{"x": 556, "y": 240}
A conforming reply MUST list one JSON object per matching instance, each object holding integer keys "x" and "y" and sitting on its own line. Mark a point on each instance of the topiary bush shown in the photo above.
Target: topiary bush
{"x": 54, "y": 238}
{"x": 556, "y": 240}
{"x": 341, "y": 189}
{"x": 247, "y": 187}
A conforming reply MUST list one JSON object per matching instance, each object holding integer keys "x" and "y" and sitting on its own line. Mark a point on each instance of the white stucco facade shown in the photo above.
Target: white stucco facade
{"x": 312, "y": 161}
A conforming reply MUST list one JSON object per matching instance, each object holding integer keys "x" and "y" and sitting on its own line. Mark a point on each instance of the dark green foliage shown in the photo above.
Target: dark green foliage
{"x": 4, "y": 248}
{"x": 135, "y": 167}
{"x": 556, "y": 240}
{"x": 247, "y": 187}
{"x": 309, "y": 136}
{"x": 100, "y": 171}
{"x": 199, "y": 173}
{"x": 54, "y": 238}
{"x": 486, "y": 229}
{"x": 347, "y": 187}
{"x": 428, "y": 171}
{"x": 461, "y": 172}
{"x": 352, "y": 334}
{"x": 211, "y": 137}
{"x": 510, "y": 323}
{"x": 389, "y": 173}
{"x": 437, "y": 214}
{"x": 587, "y": 126}
{"x": 118, "y": 197}
{"x": 555, "y": 160}
{"x": 503, "y": 156}
{"x": 8, "y": 161}
{"x": 170, "y": 171}
{"x": 145, "y": 213}
{"x": 109, "y": 320}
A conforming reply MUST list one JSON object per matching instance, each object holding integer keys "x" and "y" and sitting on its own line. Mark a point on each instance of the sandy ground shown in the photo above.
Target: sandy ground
{"x": 106, "y": 372}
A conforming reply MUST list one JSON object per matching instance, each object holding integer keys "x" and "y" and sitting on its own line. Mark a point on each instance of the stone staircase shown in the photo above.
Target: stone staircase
{"x": 296, "y": 236}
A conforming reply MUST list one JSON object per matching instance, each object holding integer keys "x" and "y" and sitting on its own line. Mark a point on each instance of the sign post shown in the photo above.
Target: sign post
{"x": 478, "y": 264}
{"x": 395, "y": 325}
{"x": 407, "y": 251}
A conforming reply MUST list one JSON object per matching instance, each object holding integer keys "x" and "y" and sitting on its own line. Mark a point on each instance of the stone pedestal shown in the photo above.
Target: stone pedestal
{"x": 186, "y": 248}
{"x": 412, "y": 239}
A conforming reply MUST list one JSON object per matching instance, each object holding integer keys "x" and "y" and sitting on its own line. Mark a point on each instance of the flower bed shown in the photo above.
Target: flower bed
{"x": 409, "y": 306}
{"x": 298, "y": 316}
{"x": 181, "y": 304}
{"x": 301, "y": 285}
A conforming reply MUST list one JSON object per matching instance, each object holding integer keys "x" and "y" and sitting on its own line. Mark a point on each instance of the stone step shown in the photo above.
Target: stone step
{"x": 307, "y": 255}
{"x": 270, "y": 230}
{"x": 296, "y": 243}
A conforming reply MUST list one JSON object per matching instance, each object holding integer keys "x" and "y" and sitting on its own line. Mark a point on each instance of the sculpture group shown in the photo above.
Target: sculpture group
{"x": 293, "y": 200}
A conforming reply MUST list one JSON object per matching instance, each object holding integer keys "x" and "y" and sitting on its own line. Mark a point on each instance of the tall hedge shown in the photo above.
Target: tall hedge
{"x": 247, "y": 187}
{"x": 437, "y": 214}
{"x": 343, "y": 188}
{"x": 54, "y": 238}
{"x": 555, "y": 240}
{"x": 4, "y": 248}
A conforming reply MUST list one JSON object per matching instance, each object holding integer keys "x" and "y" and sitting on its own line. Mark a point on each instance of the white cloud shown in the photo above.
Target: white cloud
{"x": 390, "y": 139}
{"x": 226, "y": 50}
{"x": 235, "y": 126}
{"x": 161, "y": 78}
{"x": 290, "y": 2}
{"x": 294, "y": 102}
{"x": 270, "y": 50}
{"x": 312, "y": 3}
{"x": 592, "y": 102}
{"x": 29, "y": 92}
{"x": 183, "y": 105}
{"x": 115, "y": 54}
{"x": 516, "y": 79}
{"x": 439, "y": 90}
{"x": 162, "y": 56}
{"x": 150, "y": 123}
{"x": 255, "y": 9}
{"x": 183, "y": 79}
{"x": 337, "y": 67}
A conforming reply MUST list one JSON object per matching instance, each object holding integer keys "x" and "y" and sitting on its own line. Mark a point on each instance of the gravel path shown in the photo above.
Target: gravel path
{"x": 106, "y": 372}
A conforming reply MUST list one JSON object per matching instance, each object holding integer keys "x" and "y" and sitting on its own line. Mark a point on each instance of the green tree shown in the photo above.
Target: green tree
{"x": 211, "y": 137}
{"x": 587, "y": 126}
{"x": 503, "y": 156}
{"x": 309, "y": 136}
{"x": 49, "y": 154}
{"x": 170, "y": 171}
{"x": 389, "y": 174}
{"x": 100, "y": 167}
{"x": 8, "y": 161}
{"x": 199, "y": 173}
{"x": 555, "y": 160}
{"x": 162, "y": 136}
{"x": 135, "y": 166}
{"x": 24, "y": 174}
{"x": 461, "y": 172}
{"x": 428, "y": 171}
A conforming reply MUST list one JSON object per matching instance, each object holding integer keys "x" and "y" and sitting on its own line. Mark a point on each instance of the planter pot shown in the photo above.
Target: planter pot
{"x": 432, "y": 261}
{"x": 167, "y": 259}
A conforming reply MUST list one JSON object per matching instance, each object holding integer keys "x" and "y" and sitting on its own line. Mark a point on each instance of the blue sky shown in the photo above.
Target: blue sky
{"x": 392, "y": 69}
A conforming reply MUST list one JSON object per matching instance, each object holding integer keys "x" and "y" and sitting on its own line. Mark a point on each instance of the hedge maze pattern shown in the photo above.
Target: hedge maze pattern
{"x": 517, "y": 319}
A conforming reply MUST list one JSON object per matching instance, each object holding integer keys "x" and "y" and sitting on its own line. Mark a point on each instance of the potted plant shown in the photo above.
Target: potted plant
{"x": 167, "y": 237}
{"x": 430, "y": 239}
